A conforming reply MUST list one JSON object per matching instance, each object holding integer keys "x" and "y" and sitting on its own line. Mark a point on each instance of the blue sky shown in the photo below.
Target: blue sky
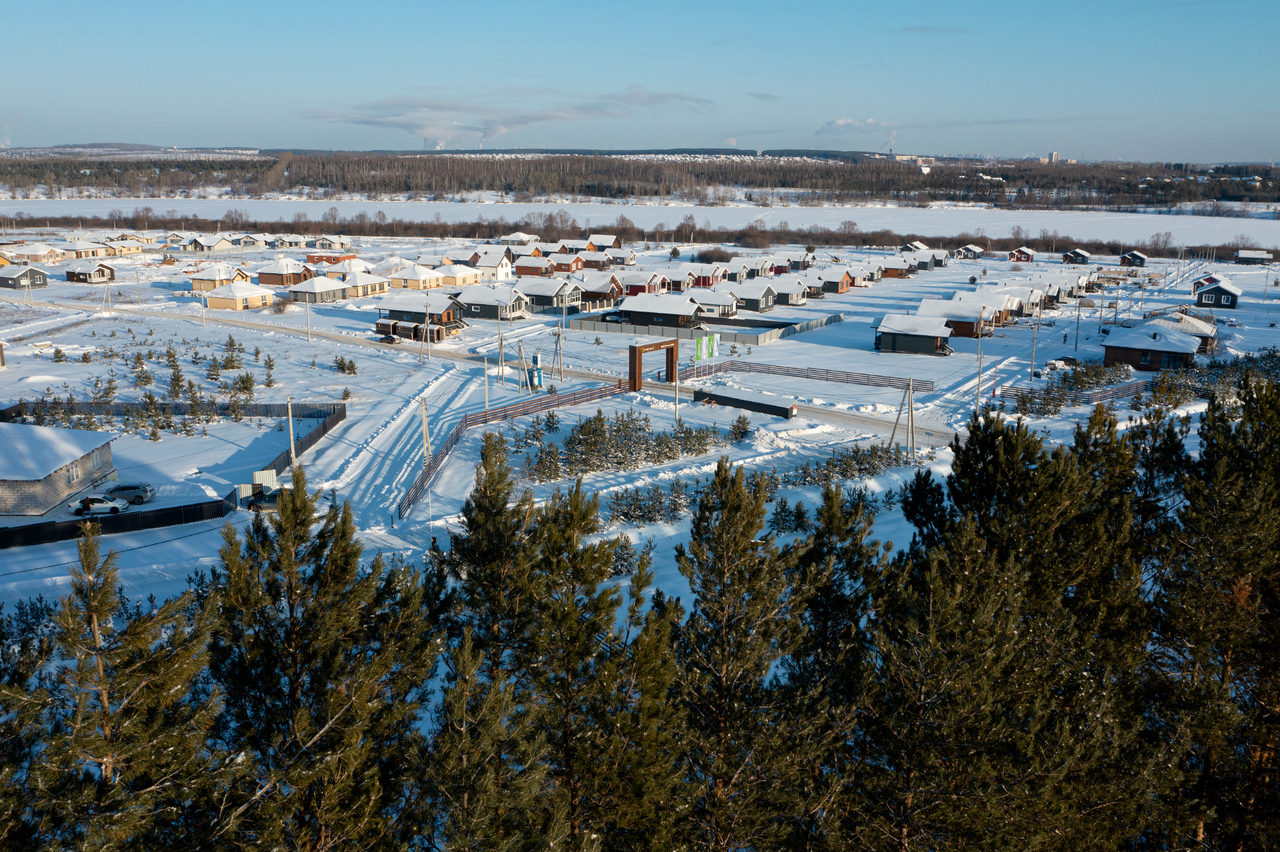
{"x": 1182, "y": 80}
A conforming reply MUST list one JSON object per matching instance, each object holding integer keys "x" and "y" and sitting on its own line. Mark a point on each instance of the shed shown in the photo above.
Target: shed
{"x": 1076, "y": 256}
{"x": 914, "y": 335}
{"x": 54, "y": 464}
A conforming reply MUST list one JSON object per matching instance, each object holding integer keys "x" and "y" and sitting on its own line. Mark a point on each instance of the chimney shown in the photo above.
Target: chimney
{"x": 1155, "y": 335}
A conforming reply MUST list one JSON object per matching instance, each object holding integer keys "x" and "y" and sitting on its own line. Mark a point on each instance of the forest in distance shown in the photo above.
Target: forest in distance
{"x": 1076, "y": 650}
{"x": 704, "y": 181}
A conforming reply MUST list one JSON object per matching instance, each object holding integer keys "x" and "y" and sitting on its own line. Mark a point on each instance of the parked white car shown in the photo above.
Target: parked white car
{"x": 98, "y": 504}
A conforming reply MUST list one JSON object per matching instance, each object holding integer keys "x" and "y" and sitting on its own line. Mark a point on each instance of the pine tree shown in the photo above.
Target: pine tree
{"x": 1218, "y": 618}
{"x": 123, "y": 725}
{"x": 738, "y": 758}
{"x": 25, "y": 648}
{"x": 325, "y": 666}
{"x": 600, "y": 690}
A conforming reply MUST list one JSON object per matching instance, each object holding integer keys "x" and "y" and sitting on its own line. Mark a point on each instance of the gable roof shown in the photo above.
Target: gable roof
{"x": 677, "y": 304}
{"x": 490, "y": 294}
{"x": 1153, "y": 338}
{"x": 216, "y": 272}
{"x": 923, "y": 326}
{"x": 239, "y": 290}
{"x": 44, "y": 449}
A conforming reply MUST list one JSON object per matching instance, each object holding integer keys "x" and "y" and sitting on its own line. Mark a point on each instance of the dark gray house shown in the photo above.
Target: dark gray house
{"x": 754, "y": 295}
{"x": 913, "y": 335}
{"x": 1220, "y": 295}
{"x": 17, "y": 277}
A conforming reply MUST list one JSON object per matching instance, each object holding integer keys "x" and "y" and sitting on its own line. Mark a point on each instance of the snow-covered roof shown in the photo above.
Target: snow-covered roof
{"x": 956, "y": 310}
{"x": 350, "y": 265}
{"x": 925, "y": 326}
{"x": 534, "y": 263}
{"x": 44, "y": 449}
{"x": 602, "y": 240}
{"x": 703, "y": 296}
{"x": 239, "y": 290}
{"x": 679, "y": 304}
{"x": 1222, "y": 286}
{"x": 1186, "y": 325}
{"x": 16, "y": 271}
{"x": 490, "y": 294}
{"x": 792, "y": 284}
{"x": 87, "y": 265}
{"x": 283, "y": 266}
{"x": 451, "y": 270}
{"x": 215, "y": 272}
{"x": 319, "y": 284}
{"x": 749, "y": 289}
{"x": 414, "y": 272}
{"x": 433, "y": 301}
{"x": 1154, "y": 338}
{"x": 547, "y": 286}
{"x": 82, "y": 245}
{"x": 388, "y": 265}
{"x": 598, "y": 256}
{"x": 33, "y": 250}
{"x": 1253, "y": 254}
{"x": 1134, "y": 253}
{"x": 1080, "y": 252}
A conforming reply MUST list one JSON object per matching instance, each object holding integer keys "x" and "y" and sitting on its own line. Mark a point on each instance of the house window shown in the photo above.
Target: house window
{"x": 1145, "y": 359}
{"x": 1209, "y": 298}
{"x": 73, "y": 473}
{"x": 1226, "y": 300}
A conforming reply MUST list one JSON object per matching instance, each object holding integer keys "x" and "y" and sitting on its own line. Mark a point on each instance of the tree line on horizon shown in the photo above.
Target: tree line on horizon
{"x": 1076, "y": 650}
{"x": 1020, "y": 184}
{"x": 560, "y": 225}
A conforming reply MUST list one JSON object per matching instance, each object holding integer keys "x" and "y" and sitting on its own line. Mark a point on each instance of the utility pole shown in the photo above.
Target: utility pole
{"x": 1078, "y": 301}
{"x": 677, "y": 385}
{"x": 293, "y": 453}
{"x": 426, "y": 436}
{"x": 502, "y": 366}
{"x": 1035, "y": 334}
{"x": 308, "y": 307}
{"x": 486, "y": 384}
{"x": 426, "y": 331}
{"x": 978, "y": 400}
{"x": 137, "y": 279}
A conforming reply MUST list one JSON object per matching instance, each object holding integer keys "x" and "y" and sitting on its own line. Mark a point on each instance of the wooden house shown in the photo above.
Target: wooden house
{"x": 415, "y": 277}
{"x": 638, "y": 283}
{"x": 552, "y": 292}
{"x": 791, "y": 290}
{"x": 534, "y": 267}
{"x": 966, "y": 319}
{"x": 599, "y": 286}
{"x": 604, "y": 242}
{"x": 207, "y": 243}
{"x": 493, "y": 301}
{"x": 1253, "y": 257}
{"x": 715, "y": 303}
{"x": 1133, "y": 258}
{"x": 333, "y": 242}
{"x": 124, "y": 248}
{"x": 37, "y": 253}
{"x": 595, "y": 260}
{"x": 664, "y": 309}
{"x": 457, "y": 275}
{"x": 970, "y": 252}
{"x": 836, "y": 279}
{"x": 1076, "y": 256}
{"x": 1022, "y": 255}
{"x": 566, "y": 264}
{"x": 758, "y": 296}
{"x": 896, "y": 267}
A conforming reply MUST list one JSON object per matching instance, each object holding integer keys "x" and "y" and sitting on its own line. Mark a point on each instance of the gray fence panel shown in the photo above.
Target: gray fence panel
{"x": 129, "y": 521}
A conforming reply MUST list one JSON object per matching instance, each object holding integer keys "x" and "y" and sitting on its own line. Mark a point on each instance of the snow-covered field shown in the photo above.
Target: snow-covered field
{"x": 943, "y": 220}
{"x": 373, "y": 456}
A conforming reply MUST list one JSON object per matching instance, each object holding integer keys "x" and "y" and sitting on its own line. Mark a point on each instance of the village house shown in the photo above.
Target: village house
{"x": 361, "y": 285}
{"x": 529, "y": 266}
{"x": 572, "y": 246}
{"x": 1208, "y": 281}
{"x": 566, "y": 263}
{"x": 966, "y": 319}
{"x": 519, "y": 238}
{"x": 702, "y": 274}
{"x": 552, "y": 292}
{"x": 1022, "y": 255}
{"x": 913, "y": 247}
{"x": 1149, "y": 348}
{"x": 969, "y": 252}
{"x": 405, "y": 315}
{"x": 53, "y": 465}
{"x": 896, "y": 267}
{"x": 22, "y": 277}
{"x": 90, "y": 272}
{"x": 1076, "y": 256}
{"x": 715, "y": 303}
{"x": 329, "y": 258}
{"x": 124, "y": 248}
{"x": 599, "y": 286}
{"x": 239, "y": 296}
{"x": 836, "y": 279}
{"x": 493, "y": 301}
{"x": 603, "y": 242}
{"x": 1205, "y": 332}
{"x": 207, "y": 243}
{"x": 284, "y": 272}
{"x": 1133, "y": 258}
{"x": 637, "y": 283}
{"x": 415, "y": 277}
{"x": 347, "y": 267}
{"x": 319, "y": 289}
{"x": 595, "y": 260}
{"x": 458, "y": 275}
{"x": 217, "y": 275}
{"x": 252, "y": 241}
{"x": 134, "y": 236}
{"x": 792, "y": 290}
{"x": 389, "y": 265}
{"x": 494, "y": 265}
{"x": 1253, "y": 256}
{"x": 757, "y": 296}
{"x": 37, "y": 253}
{"x": 333, "y": 242}
{"x": 914, "y": 335}
{"x": 622, "y": 256}
{"x": 665, "y": 309}
{"x": 1219, "y": 295}
{"x": 288, "y": 241}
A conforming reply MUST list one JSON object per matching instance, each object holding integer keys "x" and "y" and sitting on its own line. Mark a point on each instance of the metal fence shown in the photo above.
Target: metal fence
{"x": 219, "y": 409}
{"x": 774, "y": 331}
{"x": 538, "y": 404}
{"x": 324, "y": 427}
{"x": 129, "y": 521}
{"x": 700, "y": 371}
{"x": 1090, "y": 397}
